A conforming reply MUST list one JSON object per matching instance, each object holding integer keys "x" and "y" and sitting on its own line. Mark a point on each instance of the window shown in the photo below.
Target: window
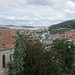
{"x": 3, "y": 61}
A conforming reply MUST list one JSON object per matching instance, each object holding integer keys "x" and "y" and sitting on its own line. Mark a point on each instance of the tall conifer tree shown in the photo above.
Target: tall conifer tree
{"x": 17, "y": 66}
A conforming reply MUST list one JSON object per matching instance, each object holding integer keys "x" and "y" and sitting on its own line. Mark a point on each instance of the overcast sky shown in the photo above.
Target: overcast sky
{"x": 36, "y": 12}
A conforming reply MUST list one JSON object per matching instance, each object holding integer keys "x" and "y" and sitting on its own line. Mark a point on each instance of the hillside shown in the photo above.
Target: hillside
{"x": 23, "y": 26}
{"x": 66, "y": 24}
{"x": 14, "y": 27}
{"x": 3, "y": 27}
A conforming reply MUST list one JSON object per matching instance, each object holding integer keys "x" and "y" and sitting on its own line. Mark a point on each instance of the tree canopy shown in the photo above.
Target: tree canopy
{"x": 31, "y": 57}
{"x": 65, "y": 48}
{"x": 67, "y": 24}
{"x": 19, "y": 55}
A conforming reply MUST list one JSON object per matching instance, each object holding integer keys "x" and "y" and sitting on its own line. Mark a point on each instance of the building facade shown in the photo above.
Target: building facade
{"x": 5, "y": 58}
{"x": 6, "y": 49}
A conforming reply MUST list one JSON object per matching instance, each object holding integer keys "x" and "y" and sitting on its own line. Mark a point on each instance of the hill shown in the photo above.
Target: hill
{"x": 62, "y": 27}
{"x": 4, "y": 27}
{"x": 27, "y": 26}
{"x": 67, "y": 24}
{"x": 14, "y": 27}
{"x": 24, "y": 26}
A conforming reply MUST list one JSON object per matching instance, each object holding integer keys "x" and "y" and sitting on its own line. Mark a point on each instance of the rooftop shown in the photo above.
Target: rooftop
{"x": 6, "y": 40}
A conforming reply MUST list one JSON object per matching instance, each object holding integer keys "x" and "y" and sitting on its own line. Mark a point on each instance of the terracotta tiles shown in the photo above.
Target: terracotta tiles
{"x": 6, "y": 40}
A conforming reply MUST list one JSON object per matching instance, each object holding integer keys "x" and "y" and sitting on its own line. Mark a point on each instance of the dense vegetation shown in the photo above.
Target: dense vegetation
{"x": 20, "y": 46}
{"x": 31, "y": 57}
{"x": 53, "y": 31}
{"x": 65, "y": 49}
{"x": 67, "y": 24}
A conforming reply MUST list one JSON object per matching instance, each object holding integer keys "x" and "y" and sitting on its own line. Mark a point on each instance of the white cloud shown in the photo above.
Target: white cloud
{"x": 38, "y": 21}
{"x": 44, "y": 2}
{"x": 70, "y": 7}
{"x": 45, "y": 12}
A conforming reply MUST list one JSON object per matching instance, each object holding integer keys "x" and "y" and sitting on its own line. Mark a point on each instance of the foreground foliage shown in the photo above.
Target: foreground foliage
{"x": 41, "y": 62}
{"x": 66, "y": 49}
{"x": 19, "y": 54}
{"x": 31, "y": 57}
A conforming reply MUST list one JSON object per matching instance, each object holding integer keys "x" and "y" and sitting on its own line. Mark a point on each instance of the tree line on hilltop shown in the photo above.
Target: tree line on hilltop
{"x": 67, "y": 25}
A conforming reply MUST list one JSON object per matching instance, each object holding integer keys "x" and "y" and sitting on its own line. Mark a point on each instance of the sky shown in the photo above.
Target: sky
{"x": 36, "y": 12}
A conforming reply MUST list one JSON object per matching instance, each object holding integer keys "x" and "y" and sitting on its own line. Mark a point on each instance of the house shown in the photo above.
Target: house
{"x": 47, "y": 41}
{"x": 6, "y": 49}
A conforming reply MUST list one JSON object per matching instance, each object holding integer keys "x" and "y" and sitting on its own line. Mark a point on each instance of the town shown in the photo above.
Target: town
{"x": 42, "y": 34}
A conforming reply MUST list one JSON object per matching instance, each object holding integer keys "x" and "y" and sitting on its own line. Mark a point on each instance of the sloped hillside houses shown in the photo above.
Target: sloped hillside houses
{"x": 6, "y": 49}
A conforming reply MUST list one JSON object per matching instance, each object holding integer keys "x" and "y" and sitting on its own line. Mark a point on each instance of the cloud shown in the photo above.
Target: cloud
{"x": 70, "y": 7}
{"x": 45, "y": 12}
{"x": 38, "y": 21}
{"x": 44, "y": 2}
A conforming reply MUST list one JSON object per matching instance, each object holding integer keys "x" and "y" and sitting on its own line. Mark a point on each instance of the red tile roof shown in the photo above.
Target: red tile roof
{"x": 6, "y": 40}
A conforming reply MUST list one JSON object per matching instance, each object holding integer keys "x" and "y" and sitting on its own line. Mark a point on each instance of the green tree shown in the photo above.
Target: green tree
{"x": 38, "y": 61}
{"x": 31, "y": 58}
{"x": 70, "y": 24}
{"x": 17, "y": 66}
{"x": 65, "y": 49}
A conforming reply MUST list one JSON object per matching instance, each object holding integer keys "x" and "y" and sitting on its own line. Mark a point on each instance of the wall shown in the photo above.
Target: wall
{"x": 7, "y": 53}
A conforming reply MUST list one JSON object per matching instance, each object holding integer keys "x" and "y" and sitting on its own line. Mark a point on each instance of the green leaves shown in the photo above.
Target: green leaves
{"x": 19, "y": 55}
{"x": 67, "y": 24}
{"x": 65, "y": 48}
{"x": 38, "y": 61}
{"x": 30, "y": 57}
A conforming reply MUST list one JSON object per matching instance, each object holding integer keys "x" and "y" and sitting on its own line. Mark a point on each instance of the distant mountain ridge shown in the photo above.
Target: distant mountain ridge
{"x": 66, "y": 24}
{"x": 8, "y": 26}
{"x": 27, "y": 26}
{"x": 20, "y": 26}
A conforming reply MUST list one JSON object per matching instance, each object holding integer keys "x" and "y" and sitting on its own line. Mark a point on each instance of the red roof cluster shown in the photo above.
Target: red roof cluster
{"x": 70, "y": 35}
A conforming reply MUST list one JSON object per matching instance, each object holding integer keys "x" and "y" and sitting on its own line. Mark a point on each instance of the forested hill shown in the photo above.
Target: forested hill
{"x": 66, "y": 24}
